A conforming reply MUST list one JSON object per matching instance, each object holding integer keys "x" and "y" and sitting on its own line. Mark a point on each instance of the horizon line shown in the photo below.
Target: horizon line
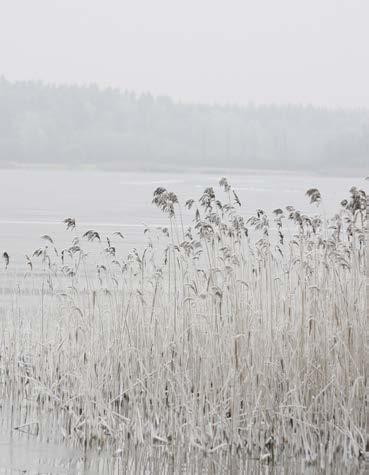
{"x": 184, "y": 102}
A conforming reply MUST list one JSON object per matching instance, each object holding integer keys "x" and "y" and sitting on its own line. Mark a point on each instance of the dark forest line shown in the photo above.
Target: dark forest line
{"x": 83, "y": 126}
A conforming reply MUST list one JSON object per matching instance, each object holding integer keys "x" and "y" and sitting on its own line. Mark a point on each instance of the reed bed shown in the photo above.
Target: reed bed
{"x": 230, "y": 341}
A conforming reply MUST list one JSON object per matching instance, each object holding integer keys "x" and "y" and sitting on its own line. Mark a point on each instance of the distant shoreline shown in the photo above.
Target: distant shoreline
{"x": 147, "y": 168}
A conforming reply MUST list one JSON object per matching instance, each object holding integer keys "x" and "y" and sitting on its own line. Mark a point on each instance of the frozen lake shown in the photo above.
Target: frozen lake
{"x": 35, "y": 202}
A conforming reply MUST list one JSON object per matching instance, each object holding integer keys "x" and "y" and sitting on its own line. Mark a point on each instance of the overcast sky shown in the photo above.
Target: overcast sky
{"x": 264, "y": 51}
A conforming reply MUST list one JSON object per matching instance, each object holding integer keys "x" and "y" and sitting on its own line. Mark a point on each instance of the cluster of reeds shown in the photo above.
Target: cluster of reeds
{"x": 229, "y": 340}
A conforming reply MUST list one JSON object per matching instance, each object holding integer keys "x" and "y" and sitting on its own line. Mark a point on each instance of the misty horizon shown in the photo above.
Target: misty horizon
{"x": 178, "y": 101}
{"x": 90, "y": 126}
{"x": 238, "y": 52}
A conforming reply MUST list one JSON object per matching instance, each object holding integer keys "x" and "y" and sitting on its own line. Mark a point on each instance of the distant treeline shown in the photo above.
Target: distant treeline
{"x": 78, "y": 126}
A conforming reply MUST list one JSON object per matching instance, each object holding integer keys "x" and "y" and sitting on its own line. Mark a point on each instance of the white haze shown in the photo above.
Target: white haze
{"x": 264, "y": 51}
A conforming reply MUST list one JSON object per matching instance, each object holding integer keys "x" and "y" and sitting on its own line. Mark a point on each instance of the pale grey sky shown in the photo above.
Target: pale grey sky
{"x": 265, "y": 51}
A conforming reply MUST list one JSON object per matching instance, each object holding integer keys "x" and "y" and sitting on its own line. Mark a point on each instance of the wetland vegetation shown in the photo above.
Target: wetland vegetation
{"x": 238, "y": 340}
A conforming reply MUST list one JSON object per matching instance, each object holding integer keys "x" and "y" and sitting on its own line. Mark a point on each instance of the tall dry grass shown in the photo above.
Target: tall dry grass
{"x": 228, "y": 341}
